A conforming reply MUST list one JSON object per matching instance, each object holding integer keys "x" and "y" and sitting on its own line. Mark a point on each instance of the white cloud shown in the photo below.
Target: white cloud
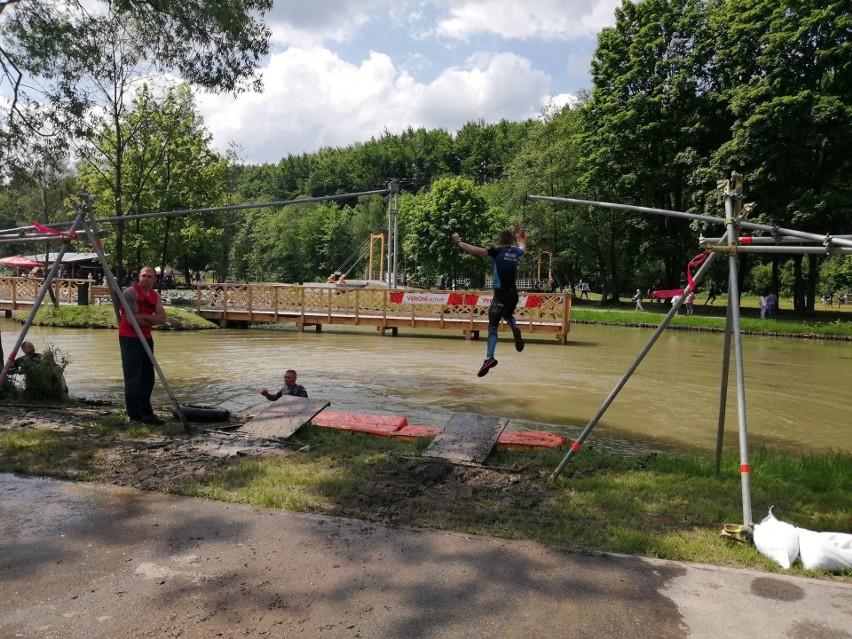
{"x": 343, "y": 71}
{"x": 525, "y": 19}
{"x": 308, "y": 24}
{"x": 315, "y": 99}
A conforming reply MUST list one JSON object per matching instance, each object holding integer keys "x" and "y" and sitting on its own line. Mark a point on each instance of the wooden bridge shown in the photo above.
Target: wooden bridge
{"x": 387, "y": 310}
{"x": 317, "y": 305}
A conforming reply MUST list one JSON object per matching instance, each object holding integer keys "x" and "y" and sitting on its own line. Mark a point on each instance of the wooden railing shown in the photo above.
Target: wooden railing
{"x": 21, "y": 292}
{"x": 386, "y": 309}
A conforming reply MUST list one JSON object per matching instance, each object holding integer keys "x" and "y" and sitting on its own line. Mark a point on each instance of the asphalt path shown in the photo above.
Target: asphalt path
{"x": 89, "y": 561}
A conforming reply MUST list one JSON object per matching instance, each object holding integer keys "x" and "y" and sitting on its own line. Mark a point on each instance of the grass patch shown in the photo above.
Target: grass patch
{"x": 47, "y": 454}
{"x": 826, "y": 326}
{"x": 103, "y": 316}
{"x": 663, "y": 505}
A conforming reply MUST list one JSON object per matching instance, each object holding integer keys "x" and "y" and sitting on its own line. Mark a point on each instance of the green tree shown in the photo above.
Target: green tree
{"x": 58, "y": 58}
{"x": 165, "y": 164}
{"x": 649, "y": 130}
{"x": 835, "y": 275}
{"x": 452, "y": 204}
{"x": 546, "y": 164}
{"x": 484, "y": 151}
{"x": 786, "y": 69}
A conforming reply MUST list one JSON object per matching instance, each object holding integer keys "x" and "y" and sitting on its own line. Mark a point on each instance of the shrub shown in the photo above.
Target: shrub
{"x": 43, "y": 379}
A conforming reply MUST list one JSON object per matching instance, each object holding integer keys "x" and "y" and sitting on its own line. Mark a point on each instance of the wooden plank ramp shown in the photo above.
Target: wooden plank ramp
{"x": 467, "y": 438}
{"x": 283, "y": 418}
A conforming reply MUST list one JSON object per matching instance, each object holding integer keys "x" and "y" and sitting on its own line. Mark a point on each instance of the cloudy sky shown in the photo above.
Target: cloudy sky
{"x": 343, "y": 71}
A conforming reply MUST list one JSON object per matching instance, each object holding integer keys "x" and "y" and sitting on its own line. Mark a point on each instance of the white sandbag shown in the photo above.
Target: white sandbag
{"x": 777, "y": 540}
{"x": 825, "y": 550}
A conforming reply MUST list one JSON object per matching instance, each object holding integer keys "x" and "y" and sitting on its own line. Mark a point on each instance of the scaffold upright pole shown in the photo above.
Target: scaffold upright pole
{"x": 733, "y": 206}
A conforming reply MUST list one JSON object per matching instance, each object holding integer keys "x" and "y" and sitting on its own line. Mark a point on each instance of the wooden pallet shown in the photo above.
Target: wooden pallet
{"x": 467, "y": 438}
{"x": 283, "y": 418}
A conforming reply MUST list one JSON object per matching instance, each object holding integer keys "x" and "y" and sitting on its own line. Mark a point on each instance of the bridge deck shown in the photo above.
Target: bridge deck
{"x": 317, "y": 306}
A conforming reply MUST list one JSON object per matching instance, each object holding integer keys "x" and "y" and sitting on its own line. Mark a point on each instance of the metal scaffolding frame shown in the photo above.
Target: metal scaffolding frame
{"x": 731, "y": 193}
{"x": 84, "y": 221}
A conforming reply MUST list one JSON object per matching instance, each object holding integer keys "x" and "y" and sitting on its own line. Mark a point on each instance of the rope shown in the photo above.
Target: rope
{"x": 356, "y": 255}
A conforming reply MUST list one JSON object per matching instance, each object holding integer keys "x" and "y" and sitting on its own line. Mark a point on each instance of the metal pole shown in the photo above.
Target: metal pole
{"x": 840, "y": 240}
{"x": 389, "y": 233}
{"x": 617, "y": 389}
{"x": 786, "y": 250}
{"x": 128, "y": 312}
{"x": 211, "y": 209}
{"x": 48, "y": 280}
{"x": 394, "y": 196}
{"x": 28, "y": 238}
{"x": 629, "y": 207}
{"x": 723, "y": 394}
{"x": 733, "y": 197}
{"x": 748, "y": 239}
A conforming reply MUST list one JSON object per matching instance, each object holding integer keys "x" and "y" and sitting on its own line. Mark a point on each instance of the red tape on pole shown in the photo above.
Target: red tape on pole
{"x": 575, "y": 446}
{"x": 745, "y": 469}
{"x": 695, "y": 262}
{"x": 50, "y": 231}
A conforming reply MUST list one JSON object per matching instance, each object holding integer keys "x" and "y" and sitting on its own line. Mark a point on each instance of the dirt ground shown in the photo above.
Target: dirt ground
{"x": 96, "y": 561}
{"x": 399, "y": 489}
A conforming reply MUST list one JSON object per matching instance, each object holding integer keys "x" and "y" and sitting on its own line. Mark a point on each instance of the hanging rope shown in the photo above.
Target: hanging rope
{"x": 357, "y": 255}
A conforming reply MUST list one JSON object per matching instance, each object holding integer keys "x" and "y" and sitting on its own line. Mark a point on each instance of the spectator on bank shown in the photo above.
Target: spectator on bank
{"x": 690, "y": 302}
{"x": 675, "y": 299}
{"x": 637, "y": 297}
{"x": 147, "y": 309}
{"x": 771, "y": 305}
{"x": 711, "y": 296}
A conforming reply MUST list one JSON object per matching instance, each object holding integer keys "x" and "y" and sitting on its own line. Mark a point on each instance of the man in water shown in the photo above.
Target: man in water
{"x": 29, "y": 352}
{"x": 147, "y": 308}
{"x": 504, "y": 262}
{"x": 290, "y": 388}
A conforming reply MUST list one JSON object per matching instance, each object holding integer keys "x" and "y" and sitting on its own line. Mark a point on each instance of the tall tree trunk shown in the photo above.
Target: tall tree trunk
{"x": 798, "y": 286}
{"x": 118, "y": 199}
{"x": 775, "y": 286}
{"x": 810, "y": 291}
{"x": 164, "y": 255}
{"x": 743, "y": 267}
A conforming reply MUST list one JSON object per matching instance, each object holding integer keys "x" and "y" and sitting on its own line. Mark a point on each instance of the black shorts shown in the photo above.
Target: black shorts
{"x": 503, "y": 305}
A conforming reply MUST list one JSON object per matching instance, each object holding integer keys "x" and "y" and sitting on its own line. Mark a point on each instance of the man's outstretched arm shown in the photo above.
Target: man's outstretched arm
{"x": 469, "y": 248}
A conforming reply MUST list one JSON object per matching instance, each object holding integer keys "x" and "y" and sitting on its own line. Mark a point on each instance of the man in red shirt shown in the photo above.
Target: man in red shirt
{"x": 138, "y": 368}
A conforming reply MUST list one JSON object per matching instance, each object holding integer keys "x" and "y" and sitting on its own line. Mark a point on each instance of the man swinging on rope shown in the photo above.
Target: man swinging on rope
{"x": 504, "y": 259}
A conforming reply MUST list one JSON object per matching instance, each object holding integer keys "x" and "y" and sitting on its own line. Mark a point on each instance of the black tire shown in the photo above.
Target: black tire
{"x": 203, "y": 413}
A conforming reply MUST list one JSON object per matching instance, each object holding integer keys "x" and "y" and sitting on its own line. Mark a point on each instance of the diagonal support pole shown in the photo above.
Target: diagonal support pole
{"x": 621, "y": 383}
{"x": 89, "y": 226}
{"x": 45, "y": 287}
{"x": 723, "y": 393}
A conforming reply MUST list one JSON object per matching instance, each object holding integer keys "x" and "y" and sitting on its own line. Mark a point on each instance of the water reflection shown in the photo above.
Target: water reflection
{"x": 797, "y": 391}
